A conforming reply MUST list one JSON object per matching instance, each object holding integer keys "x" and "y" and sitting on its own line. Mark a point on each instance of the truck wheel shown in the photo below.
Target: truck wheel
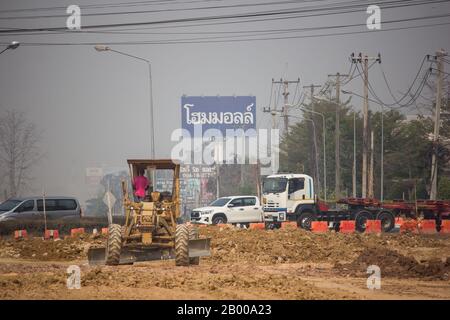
{"x": 193, "y": 234}
{"x": 361, "y": 218}
{"x": 387, "y": 220}
{"x": 113, "y": 245}
{"x": 182, "y": 245}
{"x": 305, "y": 220}
{"x": 220, "y": 218}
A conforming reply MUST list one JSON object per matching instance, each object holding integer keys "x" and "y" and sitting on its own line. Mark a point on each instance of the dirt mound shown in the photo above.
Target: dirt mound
{"x": 394, "y": 264}
{"x": 265, "y": 247}
{"x": 220, "y": 282}
{"x": 233, "y": 245}
{"x": 38, "y": 249}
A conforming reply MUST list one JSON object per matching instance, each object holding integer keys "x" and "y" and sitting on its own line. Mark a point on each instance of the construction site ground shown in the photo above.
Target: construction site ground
{"x": 245, "y": 264}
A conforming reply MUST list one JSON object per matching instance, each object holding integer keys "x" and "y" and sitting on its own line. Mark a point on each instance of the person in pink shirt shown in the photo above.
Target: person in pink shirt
{"x": 140, "y": 185}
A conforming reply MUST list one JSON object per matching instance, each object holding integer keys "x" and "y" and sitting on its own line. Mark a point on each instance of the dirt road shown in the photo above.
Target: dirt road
{"x": 245, "y": 264}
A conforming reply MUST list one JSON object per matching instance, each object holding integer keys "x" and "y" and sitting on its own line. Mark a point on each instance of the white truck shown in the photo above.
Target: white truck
{"x": 288, "y": 197}
{"x": 291, "y": 197}
{"x": 233, "y": 209}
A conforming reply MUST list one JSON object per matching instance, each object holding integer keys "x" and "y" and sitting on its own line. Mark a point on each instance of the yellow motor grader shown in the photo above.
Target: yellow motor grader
{"x": 151, "y": 231}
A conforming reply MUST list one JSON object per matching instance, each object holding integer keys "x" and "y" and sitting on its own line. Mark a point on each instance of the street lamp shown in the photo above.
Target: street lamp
{"x": 382, "y": 141}
{"x": 315, "y": 143}
{"x": 13, "y": 45}
{"x": 324, "y": 145}
{"x": 102, "y": 48}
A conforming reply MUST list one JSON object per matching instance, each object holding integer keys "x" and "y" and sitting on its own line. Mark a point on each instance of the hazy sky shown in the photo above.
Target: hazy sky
{"x": 93, "y": 108}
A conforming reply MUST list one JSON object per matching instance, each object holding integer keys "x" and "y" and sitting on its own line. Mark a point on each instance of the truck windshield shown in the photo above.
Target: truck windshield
{"x": 219, "y": 202}
{"x": 9, "y": 205}
{"x": 274, "y": 185}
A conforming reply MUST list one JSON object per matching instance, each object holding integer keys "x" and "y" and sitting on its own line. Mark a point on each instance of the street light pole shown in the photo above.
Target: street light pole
{"x": 382, "y": 156}
{"x": 13, "y": 45}
{"x": 382, "y": 142}
{"x": 324, "y": 147}
{"x": 314, "y": 132}
{"x": 100, "y": 48}
{"x": 354, "y": 157}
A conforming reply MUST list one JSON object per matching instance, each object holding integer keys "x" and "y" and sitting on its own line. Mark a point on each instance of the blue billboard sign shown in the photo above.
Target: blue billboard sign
{"x": 216, "y": 112}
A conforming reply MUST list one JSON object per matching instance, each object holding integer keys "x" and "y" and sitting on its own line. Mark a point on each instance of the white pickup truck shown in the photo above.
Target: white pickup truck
{"x": 235, "y": 209}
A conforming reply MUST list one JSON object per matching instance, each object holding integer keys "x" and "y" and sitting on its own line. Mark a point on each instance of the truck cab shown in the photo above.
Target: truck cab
{"x": 287, "y": 196}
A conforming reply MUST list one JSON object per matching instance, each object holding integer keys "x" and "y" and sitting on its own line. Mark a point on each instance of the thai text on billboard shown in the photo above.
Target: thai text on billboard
{"x": 217, "y": 112}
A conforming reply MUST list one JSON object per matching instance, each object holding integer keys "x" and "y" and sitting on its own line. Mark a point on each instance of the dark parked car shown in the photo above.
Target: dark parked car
{"x": 32, "y": 208}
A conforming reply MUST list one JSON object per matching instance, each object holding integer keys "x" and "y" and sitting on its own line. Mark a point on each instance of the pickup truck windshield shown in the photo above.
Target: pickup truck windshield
{"x": 9, "y": 205}
{"x": 274, "y": 185}
{"x": 219, "y": 202}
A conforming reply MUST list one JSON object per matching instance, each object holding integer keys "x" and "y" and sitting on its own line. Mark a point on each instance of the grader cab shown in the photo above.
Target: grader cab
{"x": 151, "y": 231}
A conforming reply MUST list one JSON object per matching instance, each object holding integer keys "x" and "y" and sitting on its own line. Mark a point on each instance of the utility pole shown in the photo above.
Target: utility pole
{"x": 313, "y": 150}
{"x": 370, "y": 191}
{"x": 382, "y": 156}
{"x": 364, "y": 61}
{"x": 354, "y": 157}
{"x": 273, "y": 112}
{"x": 434, "y": 165}
{"x": 337, "y": 190}
{"x": 285, "y": 84}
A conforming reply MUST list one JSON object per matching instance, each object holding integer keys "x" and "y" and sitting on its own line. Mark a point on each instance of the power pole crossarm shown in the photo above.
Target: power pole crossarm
{"x": 285, "y": 84}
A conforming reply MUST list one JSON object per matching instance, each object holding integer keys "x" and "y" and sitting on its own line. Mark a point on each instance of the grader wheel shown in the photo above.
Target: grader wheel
{"x": 182, "y": 245}
{"x": 114, "y": 245}
{"x": 193, "y": 234}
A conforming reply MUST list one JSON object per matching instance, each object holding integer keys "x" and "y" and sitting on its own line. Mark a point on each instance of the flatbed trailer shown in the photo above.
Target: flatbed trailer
{"x": 291, "y": 197}
{"x": 362, "y": 209}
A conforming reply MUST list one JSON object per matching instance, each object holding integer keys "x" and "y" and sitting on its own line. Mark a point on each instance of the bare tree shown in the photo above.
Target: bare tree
{"x": 19, "y": 151}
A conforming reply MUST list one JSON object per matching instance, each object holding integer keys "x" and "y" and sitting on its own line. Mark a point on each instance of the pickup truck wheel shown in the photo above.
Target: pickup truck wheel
{"x": 220, "y": 218}
{"x": 305, "y": 219}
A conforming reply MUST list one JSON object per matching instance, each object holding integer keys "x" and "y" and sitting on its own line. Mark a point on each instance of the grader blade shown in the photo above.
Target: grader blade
{"x": 97, "y": 256}
{"x": 199, "y": 248}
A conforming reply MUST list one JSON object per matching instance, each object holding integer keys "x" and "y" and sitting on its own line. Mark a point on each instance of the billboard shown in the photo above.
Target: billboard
{"x": 217, "y": 112}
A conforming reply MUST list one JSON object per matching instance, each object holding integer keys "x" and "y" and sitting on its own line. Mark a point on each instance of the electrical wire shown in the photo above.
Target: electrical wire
{"x": 295, "y": 92}
{"x": 258, "y": 32}
{"x": 413, "y": 98}
{"x": 270, "y": 100}
{"x": 410, "y": 87}
{"x": 233, "y": 6}
{"x": 110, "y": 5}
{"x": 358, "y": 75}
{"x": 219, "y": 17}
{"x": 215, "y": 40}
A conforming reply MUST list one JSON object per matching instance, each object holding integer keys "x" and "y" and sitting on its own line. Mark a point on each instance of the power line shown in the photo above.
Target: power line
{"x": 220, "y": 17}
{"x": 161, "y": 10}
{"x": 110, "y": 5}
{"x": 352, "y": 76}
{"x": 187, "y": 41}
{"x": 259, "y": 32}
{"x": 410, "y": 87}
{"x": 412, "y": 99}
